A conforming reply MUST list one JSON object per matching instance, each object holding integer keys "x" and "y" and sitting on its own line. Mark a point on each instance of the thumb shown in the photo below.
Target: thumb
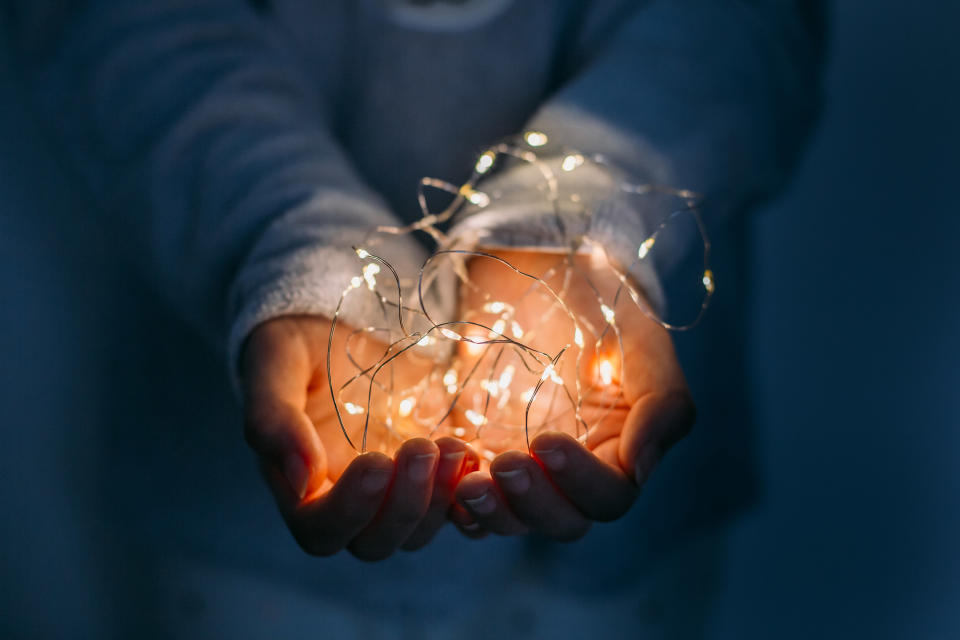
{"x": 655, "y": 423}
{"x": 275, "y": 373}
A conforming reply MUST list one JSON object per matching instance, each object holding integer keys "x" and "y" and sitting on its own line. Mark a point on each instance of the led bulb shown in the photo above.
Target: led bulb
{"x": 645, "y": 247}
{"x": 578, "y": 337}
{"x": 406, "y": 407}
{"x": 450, "y": 377}
{"x": 708, "y": 281}
{"x": 608, "y": 313}
{"x": 605, "y": 369}
{"x": 451, "y": 334}
{"x": 571, "y": 162}
{"x": 475, "y": 417}
{"x": 485, "y": 161}
{"x": 535, "y": 138}
{"x": 506, "y": 377}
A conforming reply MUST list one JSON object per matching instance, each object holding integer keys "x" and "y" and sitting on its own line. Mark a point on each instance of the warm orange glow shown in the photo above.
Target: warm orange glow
{"x": 605, "y": 369}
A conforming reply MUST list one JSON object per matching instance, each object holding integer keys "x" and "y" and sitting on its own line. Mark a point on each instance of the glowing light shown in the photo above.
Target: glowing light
{"x": 369, "y": 271}
{"x": 550, "y": 372}
{"x": 535, "y": 138}
{"x": 406, "y": 407}
{"x": 607, "y": 312}
{"x": 451, "y": 334}
{"x": 476, "y": 418}
{"x": 645, "y": 247}
{"x": 503, "y": 381}
{"x": 490, "y": 387}
{"x": 506, "y": 377}
{"x": 571, "y": 162}
{"x": 605, "y": 369}
{"x": 485, "y": 161}
{"x": 475, "y": 348}
{"x": 479, "y": 198}
{"x": 578, "y": 337}
{"x": 495, "y": 307}
{"x": 708, "y": 280}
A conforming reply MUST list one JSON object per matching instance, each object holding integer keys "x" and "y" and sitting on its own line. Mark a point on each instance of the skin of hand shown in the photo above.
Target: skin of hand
{"x": 330, "y": 497}
{"x": 561, "y": 486}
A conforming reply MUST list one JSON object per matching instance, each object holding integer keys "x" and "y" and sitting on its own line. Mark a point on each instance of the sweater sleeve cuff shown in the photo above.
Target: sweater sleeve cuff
{"x": 590, "y": 212}
{"x": 305, "y": 261}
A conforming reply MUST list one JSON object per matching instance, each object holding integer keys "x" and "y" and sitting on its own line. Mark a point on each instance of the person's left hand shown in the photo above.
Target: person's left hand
{"x": 562, "y": 485}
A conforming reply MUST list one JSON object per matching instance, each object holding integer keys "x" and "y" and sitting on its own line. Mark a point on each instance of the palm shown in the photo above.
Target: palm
{"x": 583, "y": 396}
{"x": 630, "y": 406}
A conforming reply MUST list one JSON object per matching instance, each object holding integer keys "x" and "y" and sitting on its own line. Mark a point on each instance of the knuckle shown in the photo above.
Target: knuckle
{"x": 408, "y": 516}
{"x": 509, "y": 460}
{"x": 610, "y": 511}
{"x": 571, "y": 532}
{"x": 418, "y": 540}
{"x": 369, "y": 553}
{"x": 315, "y": 547}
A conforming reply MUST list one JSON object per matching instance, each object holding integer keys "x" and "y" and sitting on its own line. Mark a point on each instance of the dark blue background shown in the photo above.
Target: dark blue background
{"x": 856, "y": 337}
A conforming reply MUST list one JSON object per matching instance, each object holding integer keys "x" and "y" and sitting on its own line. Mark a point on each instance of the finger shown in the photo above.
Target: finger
{"x": 597, "y": 489}
{"x": 405, "y": 505}
{"x": 662, "y": 410}
{"x": 534, "y": 500}
{"x": 655, "y": 423}
{"x": 326, "y": 524}
{"x": 650, "y": 363}
{"x": 465, "y": 522}
{"x": 275, "y": 371}
{"x": 456, "y": 460}
{"x": 478, "y": 494}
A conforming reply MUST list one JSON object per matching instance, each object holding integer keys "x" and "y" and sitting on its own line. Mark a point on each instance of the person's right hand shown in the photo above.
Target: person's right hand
{"x": 330, "y": 497}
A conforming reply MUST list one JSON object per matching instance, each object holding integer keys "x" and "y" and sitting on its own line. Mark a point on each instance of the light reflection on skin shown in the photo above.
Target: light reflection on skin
{"x": 546, "y": 376}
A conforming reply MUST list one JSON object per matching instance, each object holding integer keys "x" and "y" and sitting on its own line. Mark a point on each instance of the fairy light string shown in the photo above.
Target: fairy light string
{"x": 470, "y": 393}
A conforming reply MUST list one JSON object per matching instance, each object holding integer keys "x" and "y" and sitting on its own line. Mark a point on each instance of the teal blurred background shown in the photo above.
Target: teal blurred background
{"x": 855, "y": 358}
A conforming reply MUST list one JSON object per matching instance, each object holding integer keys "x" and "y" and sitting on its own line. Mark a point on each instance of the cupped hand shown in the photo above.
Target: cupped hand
{"x": 563, "y": 483}
{"x": 331, "y": 497}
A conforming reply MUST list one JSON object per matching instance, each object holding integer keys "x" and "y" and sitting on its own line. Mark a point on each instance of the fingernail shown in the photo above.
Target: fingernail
{"x": 483, "y": 505}
{"x": 374, "y": 480}
{"x": 421, "y": 466}
{"x": 514, "y": 480}
{"x": 554, "y": 459}
{"x": 297, "y": 473}
{"x": 454, "y": 458}
{"x": 646, "y": 463}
